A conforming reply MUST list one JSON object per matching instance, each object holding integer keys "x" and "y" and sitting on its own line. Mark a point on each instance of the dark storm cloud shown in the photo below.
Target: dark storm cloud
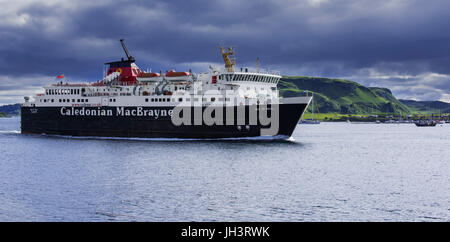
{"x": 359, "y": 39}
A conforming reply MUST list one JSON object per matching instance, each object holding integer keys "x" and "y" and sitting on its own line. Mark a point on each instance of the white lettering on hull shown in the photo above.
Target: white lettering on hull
{"x": 119, "y": 111}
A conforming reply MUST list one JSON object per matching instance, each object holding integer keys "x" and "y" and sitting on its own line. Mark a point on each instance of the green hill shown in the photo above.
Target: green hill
{"x": 2, "y": 115}
{"x": 342, "y": 96}
{"x": 11, "y": 109}
{"x": 427, "y": 106}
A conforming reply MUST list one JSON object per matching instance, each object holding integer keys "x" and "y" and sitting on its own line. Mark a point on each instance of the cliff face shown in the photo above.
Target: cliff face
{"x": 342, "y": 96}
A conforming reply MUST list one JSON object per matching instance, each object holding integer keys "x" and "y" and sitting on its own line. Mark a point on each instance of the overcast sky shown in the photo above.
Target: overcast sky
{"x": 403, "y": 45}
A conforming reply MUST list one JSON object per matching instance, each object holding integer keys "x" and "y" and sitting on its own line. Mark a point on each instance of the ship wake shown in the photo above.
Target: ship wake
{"x": 259, "y": 138}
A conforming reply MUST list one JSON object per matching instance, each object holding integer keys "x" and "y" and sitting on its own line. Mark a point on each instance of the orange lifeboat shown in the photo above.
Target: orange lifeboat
{"x": 174, "y": 73}
{"x": 146, "y": 75}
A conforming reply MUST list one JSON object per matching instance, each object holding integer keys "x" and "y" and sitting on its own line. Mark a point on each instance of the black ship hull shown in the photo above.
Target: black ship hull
{"x": 147, "y": 122}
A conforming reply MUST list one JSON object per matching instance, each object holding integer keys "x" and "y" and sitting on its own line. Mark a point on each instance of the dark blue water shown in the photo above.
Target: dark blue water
{"x": 331, "y": 172}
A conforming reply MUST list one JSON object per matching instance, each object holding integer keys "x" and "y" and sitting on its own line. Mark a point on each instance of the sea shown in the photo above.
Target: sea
{"x": 324, "y": 172}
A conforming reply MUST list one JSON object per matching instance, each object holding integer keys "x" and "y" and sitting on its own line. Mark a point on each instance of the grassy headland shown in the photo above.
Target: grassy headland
{"x": 339, "y": 99}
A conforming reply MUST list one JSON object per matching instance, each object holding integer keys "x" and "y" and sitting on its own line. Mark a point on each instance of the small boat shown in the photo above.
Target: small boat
{"x": 425, "y": 123}
{"x": 312, "y": 120}
{"x": 309, "y": 121}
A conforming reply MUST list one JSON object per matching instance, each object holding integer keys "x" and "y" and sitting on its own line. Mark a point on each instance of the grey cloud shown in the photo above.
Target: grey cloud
{"x": 321, "y": 38}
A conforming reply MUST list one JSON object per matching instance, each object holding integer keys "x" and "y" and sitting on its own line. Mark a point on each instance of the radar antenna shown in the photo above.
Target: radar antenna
{"x": 130, "y": 58}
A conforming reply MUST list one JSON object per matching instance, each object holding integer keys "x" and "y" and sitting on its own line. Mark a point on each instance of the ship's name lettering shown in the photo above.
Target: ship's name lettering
{"x": 118, "y": 111}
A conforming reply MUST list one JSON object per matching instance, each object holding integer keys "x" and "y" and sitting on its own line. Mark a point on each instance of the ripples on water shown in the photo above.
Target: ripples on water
{"x": 330, "y": 172}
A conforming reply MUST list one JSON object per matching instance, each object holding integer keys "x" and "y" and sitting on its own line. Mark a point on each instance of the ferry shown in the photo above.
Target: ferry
{"x": 224, "y": 102}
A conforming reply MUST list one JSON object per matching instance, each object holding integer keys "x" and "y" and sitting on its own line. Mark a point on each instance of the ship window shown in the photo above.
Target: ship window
{"x": 45, "y": 100}
{"x": 59, "y": 100}
{"x": 78, "y": 100}
{"x": 213, "y": 99}
{"x": 87, "y": 100}
{"x": 146, "y": 100}
{"x": 73, "y": 100}
{"x": 53, "y": 100}
{"x": 188, "y": 99}
{"x": 180, "y": 99}
{"x": 152, "y": 100}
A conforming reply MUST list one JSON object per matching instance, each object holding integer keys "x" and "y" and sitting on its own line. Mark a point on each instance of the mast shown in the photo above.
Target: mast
{"x": 257, "y": 64}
